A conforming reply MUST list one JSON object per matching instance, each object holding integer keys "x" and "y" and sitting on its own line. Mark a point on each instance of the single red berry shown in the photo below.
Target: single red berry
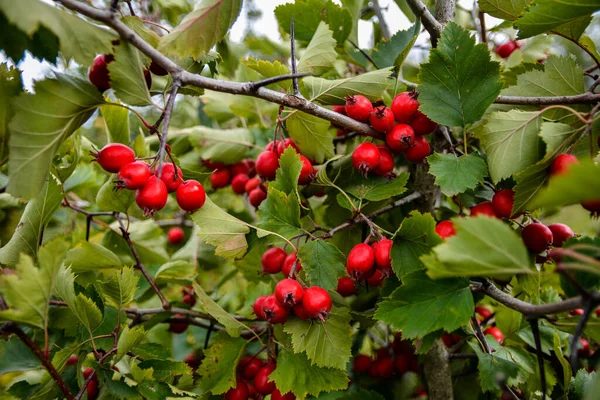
{"x": 339, "y": 109}
{"x": 212, "y": 165}
{"x": 450, "y": 339}
{"x": 178, "y": 324}
{"x": 419, "y": 151}
{"x": 445, "y": 229}
{"x": 272, "y": 260}
{"x": 345, "y": 286}
{"x": 98, "y": 71}
{"x": 537, "y": 237}
{"x": 249, "y": 367}
{"x": 361, "y": 261}
{"x": 593, "y": 206}
{"x": 562, "y": 163}
{"x": 242, "y": 167}
{"x": 503, "y": 203}
{"x": 382, "y": 119}
{"x": 485, "y": 208}
{"x": 584, "y": 348}
{"x": 365, "y": 157}
{"x": 402, "y": 364}
{"x": 152, "y": 197}
{"x": 171, "y": 178}
{"x": 506, "y": 49}
{"x": 262, "y": 384}
{"x": 276, "y": 147}
{"x": 133, "y": 176}
{"x": 114, "y": 156}
{"x": 220, "y": 178}
{"x": 257, "y": 307}
{"x": 495, "y": 333}
{"x": 300, "y": 312}
{"x": 176, "y": 235}
{"x": 288, "y": 264}
{"x": 192, "y": 361}
{"x": 383, "y": 250}
{"x": 307, "y": 172}
{"x": 386, "y": 163}
{"x": 361, "y": 363}
{"x": 157, "y": 69}
{"x": 239, "y": 392}
{"x": 404, "y": 106}
{"x": 92, "y": 387}
{"x": 257, "y": 196}
{"x": 252, "y": 184}
{"x": 422, "y": 125}
{"x": 238, "y": 183}
{"x": 189, "y": 299}
{"x": 275, "y": 311}
{"x": 267, "y": 164}
{"x": 400, "y": 138}
{"x": 576, "y": 312}
{"x": 289, "y": 292}
{"x": 276, "y": 395}
{"x": 289, "y": 142}
{"x": 358, "y": 107}
{"x": 73, "y": 360}
{"x": 382, "y": 368}
{"x": 316, "y": 302}
{"x": 190, "y": 195}
{"x": 560, "y": 234}
{"x": 483, "y": 312}
{"x": 376, "y": 279}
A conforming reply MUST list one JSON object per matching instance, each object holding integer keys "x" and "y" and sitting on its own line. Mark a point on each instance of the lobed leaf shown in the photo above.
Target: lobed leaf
{"x": 454, "y": 174}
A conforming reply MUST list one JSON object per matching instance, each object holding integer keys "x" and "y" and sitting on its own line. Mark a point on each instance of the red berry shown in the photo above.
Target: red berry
{"x": 484, "y": 312}
{"x": 114, "y": 156}
{"x": 506, "y": 49}
{"x": 176, "y": 235}
{"x": 307, "y": 171}
{"x": 288, "y": 263}
{"x": 404, "y": 106}
{"x": 376, "y": 279}
{"x": 276, "y": 147}
{"x": 257, "y": 307}
{"x": 276, "y": 395}
{"x": 300, "y": 312}
{"x": 133, "y": 176}
{"x": 419, "y": 151}
{"x": 239, "y": 392}
{"x": 422, "y": 125}
{"x": 262, "y": 384}
{"x": 537, "y": 237}
{"x": 400, "y": 138}
{"x": 190, "y": 195}
{"x": 382, "y": 119}
{"x": 92, "y": 387}
{"x": 361, "y": 363}
{"x": 445, "y": 229}
{"x": 249, "y": 367}
{"x": 485, "y": 208}
{"x": 171, "y": 179}
{"x": 242, "y": 167}
{"x": 98, "y": 71}
{"x": 495, "y": 333}
{"x": 238, "y": 183}
{"x": 289, "y": 142}
{"x": 73, "y": 360}
{"x": 562, "y": 163}
{"x": 382, "y": 368}
{"x": 152, "y": 197}
{"x": 584, "y": 348}
{"x": 220, "y": 178}
{"x": 577, "y": 312}
{"x": 267, "y": 164}
{"x": 257, "y": 196}
{"x": 289, "y": 292}
{"x": 383, "y": 250}
{"x": 189, "y": 299}
{"x": 345, "y": 286}
{"x": 365, "y": 157}
{"x": 275, "y": 311}
{"x": 560, "y": 234}
{"x": 361, "y": 261}
{"x": 593, "y": 206}
{"x": 503, "y": 203}
{"x": 316, "y": 302}
{"x": 272, "y": 260}
{"x": 191, "y": 360}
{"x": 386, "y": 163}
{"x": 178, "y": 324}
{"x": 157, "y": 69}
{"x": 402, "y": 364}
{"x": 358, "y": 107}
{"x": 339, "y": 109}
{"x": 450, "y": 339}
{"x": 252, "y": 184}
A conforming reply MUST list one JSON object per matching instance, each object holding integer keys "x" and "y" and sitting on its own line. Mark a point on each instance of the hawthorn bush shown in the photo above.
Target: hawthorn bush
{"x": 184, "y": 216}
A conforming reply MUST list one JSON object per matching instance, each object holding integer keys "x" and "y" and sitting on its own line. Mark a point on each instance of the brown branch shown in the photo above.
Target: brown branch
{"x": 385, "y": 31}
{"x": 431, "y": 24}
{"x": 165, "y": 129}
{"x": 176, "y": 310}
{"x": 584, "y": 98}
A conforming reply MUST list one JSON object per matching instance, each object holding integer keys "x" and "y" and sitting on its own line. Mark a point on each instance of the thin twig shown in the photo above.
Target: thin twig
{"x": 364, "y": 53}
{"x": 294, "y": 77}
{"x": 535, "y": 329}
{"x": 385, "y": 31}
{"x": 176, "y": 310}
{"x": 429, "y": 22}
{"x": 483, "y": 32}
{"x": 165, "y": 129}
{"x": 589, "y": 306}
{"x": 480, "y": 335}
{"x": 293, "y": 57}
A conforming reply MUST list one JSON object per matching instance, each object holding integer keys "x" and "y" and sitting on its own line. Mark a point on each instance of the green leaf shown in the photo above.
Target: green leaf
{"x": 504, "y": 9}
{"x": 420, "y": 306}
{"x": 361, "y": 394}
{"x": 459, "y": 82}
{"x": 280, "y": 213}
{"x": 222, "y": 230}
{"x": 567, "y": 372}
{"x": 323, "y": 263}
{"x": 36, "y": 134}
{"x": 455, "y": 174}
{"x": 544, "y": 15}
{"x": 137, "y": 24}
{"x": 493, "y": 369}
{"x": 127, "y": 75}
{"x": 29, "y": 290}
{"x": 312, "y": 135}
{"x": 179, "y": 272}
{"x": 226, "y": 146}
{"x": 218, "y": 368}
{"x": 320, "y": 54}
{"x": 165, "y": 369}
{"x": 308, "y": 15}
{"x": 91, "y": 257}
{"x": 325, "y": 343}
{"x": 36, "y": 216}
{"x": 15, "y": 356}
{"x": 110, "y": 199}
{"x": 296, "y": 374}
{"x": 128, "y": 339}
{"x": 11, "y": 85}
{"x": 378, "y": 188}
{"x": 79, "y": 39}
{"x": 371, "y": 85}
{"x": 116, "y": 120}
{"x": 270, "y": 69}
{"x": 482, "y": 246}
{"x": 511, "y": 142}
{"x": 290, "y": 165}
{"x": 120, "y": 287}
{"x": 414, "y": 238}
{"x": 393, "y": 51}
{"x": 201, "y": 29}
{"x": 574, "y": 29}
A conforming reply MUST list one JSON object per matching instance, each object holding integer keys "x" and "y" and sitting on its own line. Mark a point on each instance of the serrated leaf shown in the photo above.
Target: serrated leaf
{"x": 165, "y": 369}
{"x": 286, "y": 178}
{"x": 86, "y": 311}
{"x": 269, "y": 69}
{"x": 378, "y": 188}
{"x": 127, "y": 75}
{"x": 11, "y": 85}
{"x": 128, "y": 339}
{"x": 414, "y": 238}
{"x": 454, "y": 174}
{"x": 91, "y": 257}
{"x": 232, "y": 326}
{"x": 459, "y": 82}
{"x": 325, "y": 343}
{"x": 119, "y": 289}
{"x": 280, "y": 213}
{"x": 180, "y": 272}
{"x": 116, "y": 119}
{"x": 504, "y": 9}
{"x": 41, "y": 122}
{"x": 201, "y": 29}
{"x": 320, "y": 54}
{"x": 218, "y": 368}
{"x": 110, "y": 199}
{"x": 493, "y": 370}
{"x": 323, "y": 263}
{"x": 544, "y": 15}
{"x": 574, "y": 28}
{"x": 393, "y": 51}
{"x": 226, "y": 146}
{"x": 482, "y": 246}
{"x": 296, "y": 374}
{"x": 137, "y": 25}
{"x": 311, "y": 135}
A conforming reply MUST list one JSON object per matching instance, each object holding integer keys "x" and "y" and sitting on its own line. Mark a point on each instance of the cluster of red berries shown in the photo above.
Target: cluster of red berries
{"x": 241, "y": 176}
{"x": 99, "y": 76}
{"x": 371, "y": 263}
{"x": 151, "y": 190}
{"x": 399, "y": 358}
{"x": 253, "y": 382}
{"x": 507, "y": 48}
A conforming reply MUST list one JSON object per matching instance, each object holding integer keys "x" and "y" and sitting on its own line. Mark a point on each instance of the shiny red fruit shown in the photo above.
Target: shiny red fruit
{"x": 252, "y": 184}
{"x": 483, "y": 312}
{"x": 361, "y": 363}
{"x": 171, "y": 179}
{"x": 345, "y": 286}
{"x": 238, "y": 183}
{"x": 72, "y": 360}
{"x": 383, "y": 250}
{"x": 300, "y": 312}
{"x": 537, "y": 237}
{"x": 485, "y": 208}
{"x": 503, "y": 203}
{"x": 593, "y": 206}
{"x": 133, "y": 176}
{"x": 267, "y": 164}
{"x": 382, "y": 368}
{"x": 307, "y": 171}
{"x": 92, "y": 387}
{"x": 276, "y": 395}
{"x": 400, "y": 138}
{"x": 178, "y": 324}
{"x": 190, "y": 195}
{"x": 275, "y": 311}
{"x": 560, "y": 234}
{"x": 289, "y": 142}
{"x": 339, "y": 109}
{"x": 401, "y": 364}
{"x": 386, "y": 163}
{"x": 584, "y": 348}
{"x": 405, "y": 106}
{"x": 272, "y": 260}
{"x": 114, "y": 156}
{"x": 257, "y": 196}
{"x": 422, "y": 125}
{"x": 262, "y": 384}
{"x": 361, "y": 261}
{"x": 495, "y": 333}
{"x": 316, "y": 302}
{"x": 276, "y": 147}
{"x": 239, "y": 392}
{"x": 288, "y": 263}
{"x": 249, "y": 367}
{"x": 358, "y": 107}
{"x": 152, "y": 197}
{"x": 419, "y": 151}
{"x": 376, "y": 279}
{"x": 220, "y": 178}
{"x": 562, "y": 163}
{"x": 257, "y": 308}
{"x": 175, "y": 235}
{"x": 98, "y": 71}
{"x": 382, "y": 119}
{"x": 189, "y": 299}
{"x": 289, "y": 292}
{"x": 365, "y": 157}
{"x": 243, "y": 167}
{"x": 506, "y": 49}
{"x": 445, "y": 229}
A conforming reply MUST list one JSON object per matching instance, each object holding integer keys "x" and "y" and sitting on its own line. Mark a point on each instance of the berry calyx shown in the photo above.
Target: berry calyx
{"x": 405, "y": 106}
{"x": 257, "y": 308}
{"x": 262, "y": 384}
{"x": 383, "y": 250}
{"x": 178, "y": 324}
{"x": 289, "y": 292}
{"x": 445, "y": 229}
{"x": 238, "y": 183}
{"x": 316, "y": 302}
{"x": 171, "y": 179}
{"x": 422, "y": 125}
{"x": 249, "y": 367}
{"x": 560, "y": 234}
{"x": 485, "y": 208}
{"x": 190, "y": 195}
{"x": 345, "y": 286}
{"x": 400, "y": 138}
{"x": 152, "y": 197}
{"x": 267, "y": 164}
{"x": 272, "y": 260}
{"x": 220, "y": 178}
{"x": 562, "y": 163}
{"x": 361, "y": 261}
{"x": 98, "y": 71}
{"x": 386, "y": 163}
{"x": 238, "y": 392}
{"x": 358, "y": 107}
{"x": 506, "y": 49}
{"x": 503, "y": 203}
{"x": 419, "y": 151}
{"x": 288, "y": 264}
{"x": 495, "y": 333}
{"x": 175, "y": 235}
{"x": 257, "y": 196}
{"x": 361, "y": 363}
{"x": 307, "y": 172}
{"x": 537, "y": 237}
{"x": 114, "y": 156}
{"x": 365, "y": 157}
{"x": 133, "y": 176}
{"x": 275, "y": 311}
{"x": 382, "y": 119}
{"x": 276, "y": 395}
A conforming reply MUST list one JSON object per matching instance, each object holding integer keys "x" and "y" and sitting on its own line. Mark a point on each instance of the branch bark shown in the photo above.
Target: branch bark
{"x": 385, "y": 30}
{"x": 431, "y": 24}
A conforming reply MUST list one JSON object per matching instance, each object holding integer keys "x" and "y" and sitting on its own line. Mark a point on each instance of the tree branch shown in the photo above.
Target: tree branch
{"x": 293, "y": 57}
{"x": 176, "y": 310}
{"x": 427, "y": 19}
{"x": 535, "y": 330}
{"x": 385, "y": 31}
{"x": 167, "y": 120}
{"x": 584, "y": 98}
